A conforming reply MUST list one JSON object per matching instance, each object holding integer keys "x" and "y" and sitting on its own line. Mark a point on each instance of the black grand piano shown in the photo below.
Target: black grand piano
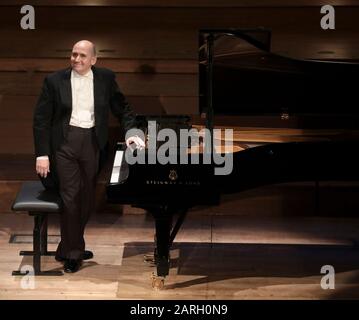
{"x": 292, "y": 120}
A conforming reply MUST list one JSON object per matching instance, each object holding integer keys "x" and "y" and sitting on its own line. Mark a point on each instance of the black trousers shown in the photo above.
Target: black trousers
{"x": 76, "y": 164}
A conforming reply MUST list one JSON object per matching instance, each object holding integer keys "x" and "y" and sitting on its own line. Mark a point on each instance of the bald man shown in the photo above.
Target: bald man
{"x": 70, "y": 133}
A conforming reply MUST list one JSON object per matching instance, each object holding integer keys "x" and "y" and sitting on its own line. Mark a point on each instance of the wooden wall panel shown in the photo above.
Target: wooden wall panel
{"x": 175, "y": 45}
{"x": 295, "y": 18}
{"x": 22, "y": 83}
{"x": 16, "y": 114}
{"x": 21, "y": 108}
{"x": 125, "y": 44}
{"x": 116, "y": 65}
{"x": 164, "y": 105}
{"x": 164, "y": 33}
{"x": 16, "y": 137}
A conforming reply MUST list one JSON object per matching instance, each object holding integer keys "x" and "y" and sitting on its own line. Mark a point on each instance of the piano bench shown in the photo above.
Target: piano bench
{"x": 39, "y": 203}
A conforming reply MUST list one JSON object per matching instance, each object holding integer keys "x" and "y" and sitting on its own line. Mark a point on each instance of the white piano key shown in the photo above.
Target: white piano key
{"x": 115, "y": 175}
{"x": 118, "y": 158}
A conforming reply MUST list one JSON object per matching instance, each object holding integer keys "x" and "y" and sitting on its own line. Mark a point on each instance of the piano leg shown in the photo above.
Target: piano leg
{"x": 163, "y": 240}
{"x": 163, "y": 219}
{"x": 182, "y": 216}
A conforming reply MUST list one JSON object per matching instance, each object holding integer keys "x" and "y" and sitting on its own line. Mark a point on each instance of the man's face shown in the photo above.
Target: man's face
{"x": 82, "y": 57}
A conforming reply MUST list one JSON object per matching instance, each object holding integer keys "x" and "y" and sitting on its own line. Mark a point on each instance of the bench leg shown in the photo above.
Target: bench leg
{"x": 39, "y": 248}
{"x": 43, "y": 241}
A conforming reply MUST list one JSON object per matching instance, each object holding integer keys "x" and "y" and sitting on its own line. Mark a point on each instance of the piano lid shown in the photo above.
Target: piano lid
{"x": 248, "y": 80}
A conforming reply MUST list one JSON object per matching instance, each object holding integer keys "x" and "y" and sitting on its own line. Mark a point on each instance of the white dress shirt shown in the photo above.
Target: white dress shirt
{"x": 82, "y": 100}
{"x": 83, "y": 105}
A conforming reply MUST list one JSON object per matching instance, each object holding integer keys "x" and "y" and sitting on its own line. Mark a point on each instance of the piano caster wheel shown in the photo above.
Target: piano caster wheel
{"x": 158, "y": 282}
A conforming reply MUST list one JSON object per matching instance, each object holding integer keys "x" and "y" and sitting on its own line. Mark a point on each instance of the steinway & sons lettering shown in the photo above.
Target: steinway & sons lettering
{"x": 185, "y": 183}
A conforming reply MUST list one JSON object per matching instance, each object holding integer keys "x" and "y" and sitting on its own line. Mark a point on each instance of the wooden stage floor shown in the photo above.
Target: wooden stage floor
{"x": 215, "y": 256}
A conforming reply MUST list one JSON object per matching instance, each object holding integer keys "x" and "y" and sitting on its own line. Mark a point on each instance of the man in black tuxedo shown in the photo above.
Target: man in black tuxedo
{"x": 70, "y": 134}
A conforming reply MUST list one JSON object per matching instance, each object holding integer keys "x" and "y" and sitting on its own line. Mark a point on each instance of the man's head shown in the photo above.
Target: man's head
{"x": 83, "y": 56}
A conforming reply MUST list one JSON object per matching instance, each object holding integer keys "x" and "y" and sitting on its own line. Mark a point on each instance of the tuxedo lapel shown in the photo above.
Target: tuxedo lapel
{"x": 65, "y": 89}
{"x": 98, "y": 91}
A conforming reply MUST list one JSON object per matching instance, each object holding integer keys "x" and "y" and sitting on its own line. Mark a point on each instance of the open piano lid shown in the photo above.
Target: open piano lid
{"x": 249, "y": 80}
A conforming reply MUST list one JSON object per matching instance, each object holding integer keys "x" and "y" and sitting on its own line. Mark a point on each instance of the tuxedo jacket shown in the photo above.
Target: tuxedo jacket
{"x": 54, "y": 107}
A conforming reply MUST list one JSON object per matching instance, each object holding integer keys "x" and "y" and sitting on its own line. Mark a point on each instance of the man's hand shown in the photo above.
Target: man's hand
{"x": 42, "y": 167}
{"x": 137, "y": 141}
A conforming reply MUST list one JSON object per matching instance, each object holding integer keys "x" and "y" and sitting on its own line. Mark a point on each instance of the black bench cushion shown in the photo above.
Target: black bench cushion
{"x": 34, "y": 197}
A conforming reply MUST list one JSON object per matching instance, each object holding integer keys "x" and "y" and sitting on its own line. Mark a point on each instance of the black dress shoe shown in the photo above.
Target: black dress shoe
{"x": 72, "y": 266}
{"x": 86, "y": 256}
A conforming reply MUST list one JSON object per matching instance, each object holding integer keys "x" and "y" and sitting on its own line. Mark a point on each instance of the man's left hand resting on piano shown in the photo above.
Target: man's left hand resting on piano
{"x": 136, "y": 140}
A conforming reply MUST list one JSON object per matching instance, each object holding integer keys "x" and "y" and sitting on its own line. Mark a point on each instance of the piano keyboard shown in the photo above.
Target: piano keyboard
{"x": 115, "y": 175}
